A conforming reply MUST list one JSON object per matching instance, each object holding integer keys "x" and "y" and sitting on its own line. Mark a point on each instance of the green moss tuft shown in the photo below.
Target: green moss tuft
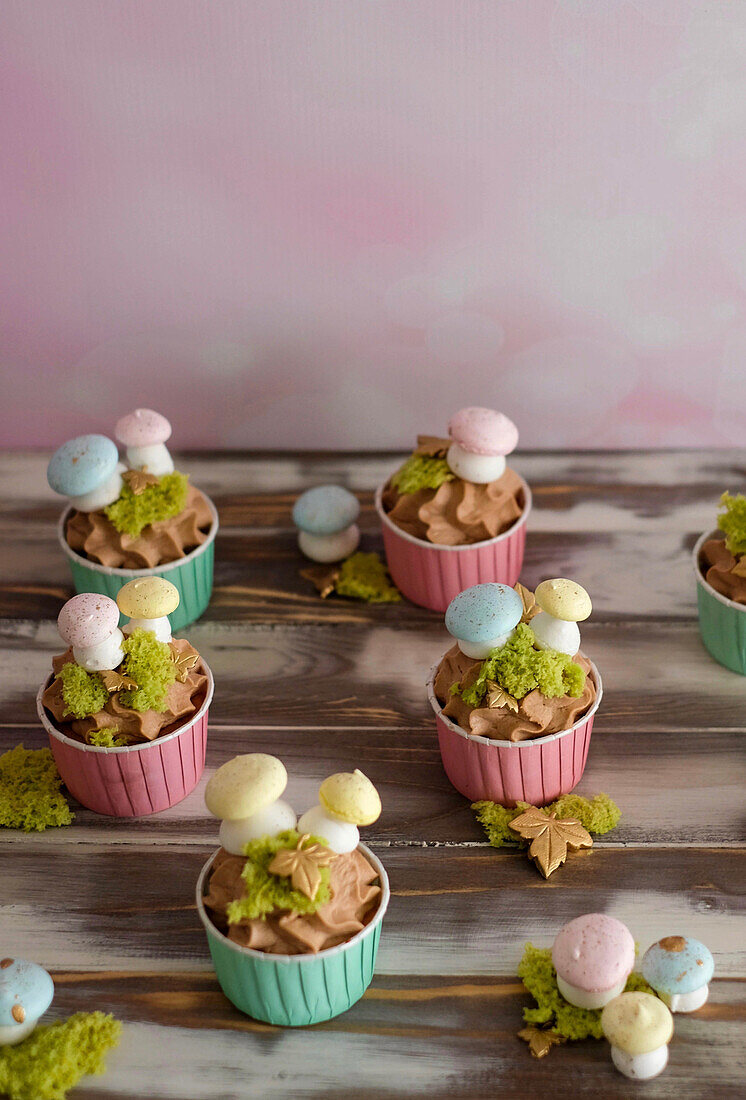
{"x": 538, "y": 975}
{"x": 131, "y": 512}
{"x": 107, "y": 738}
{"x": 365, "y": 577}
{"x": 265, "y": 892}
{"x": 83, "y": 692}
{"x": 598, "y": 815}
{"x": 149, "y": 663}
{"x": 30, "y": 797}
{"x": 732, "y": 522}
{"x": 54, "y": 1058}
{"x": 422, "y": 472}
{"x": 520, "y": 666}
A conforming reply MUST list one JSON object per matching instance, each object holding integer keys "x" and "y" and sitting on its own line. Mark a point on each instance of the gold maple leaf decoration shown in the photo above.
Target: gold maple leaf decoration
{"x": 301, "y": 865}
{"x": 322, "y": 577}
{"x": 540, "y": 1040}
{"x": 551, "y": 837}
{"x": 138, "y": 480}
{"x": 117, "y": 681}
{"x": 496, "y": 697}
{"x": 530, "y": 606}
{"x": 739, "y": 569}
{"x": 432, "y": 446}
{"x": 184, "y": 661}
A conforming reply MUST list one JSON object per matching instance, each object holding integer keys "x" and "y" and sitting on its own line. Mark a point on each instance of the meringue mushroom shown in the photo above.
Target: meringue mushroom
{"x": 245, "y": 794}
{"x": 680, "y": 970}
{"x": 593, "y": 956}
{"x": 483, "y": 617}
{"x": 26, "y": 992}
{"x": 325, "y": 517}
{"x": 87, "y": 471}
{"x": 148, "y": 601}
{"x": 639, "y": 1028}
{"x": 346, "y": 800}
{"x": 481, "y": 440}
{"x": 144, "y": 433}
{"x": 563, "y": 605}
{"x": 90, "y": 624}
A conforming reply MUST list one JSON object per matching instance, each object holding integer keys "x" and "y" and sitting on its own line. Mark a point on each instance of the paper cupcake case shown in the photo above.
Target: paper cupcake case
{"x": 536, "y": 771}
{"x": 192, "y": 574}
{"x": 431, "y": 575}
{"x": 136, "y": 780}
{"x": 722, "y": 622}
{"x": 296, "y": 990}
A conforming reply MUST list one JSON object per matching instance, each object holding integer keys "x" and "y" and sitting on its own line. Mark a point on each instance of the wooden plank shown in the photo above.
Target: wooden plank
{"x": 453, "y": 910}
{"x": 431, "y": 1036}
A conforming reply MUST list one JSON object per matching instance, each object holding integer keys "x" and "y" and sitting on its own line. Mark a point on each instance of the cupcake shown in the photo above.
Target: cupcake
{"x": 719, "y": 559}
{"x": 292, "y": 909}
{"x": 455, "y": 514}
{"x": 134, "y": 519}
{"x": 514, "y": 698}
{"x": 126, "y": 710}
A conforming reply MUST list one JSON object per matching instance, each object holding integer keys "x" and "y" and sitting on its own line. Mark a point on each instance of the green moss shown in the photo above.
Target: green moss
{"x": 598, "y": 815}
{"x": 131, "y": 512}
{"x": 83, "y": 692}
{"x": 520, "y": 666}
{"x": 422, "y": 472}
{"x": 107, "y": 738}
{"x": 265, "y": 892}
{"x": 30, "y": 797}
{"x": 149, "y": 663}
{"x": 732, "y": 522}
{"x": 538, "y": 975}
{"x": 54, "y": 1058}
{"x": 365, "y": 577}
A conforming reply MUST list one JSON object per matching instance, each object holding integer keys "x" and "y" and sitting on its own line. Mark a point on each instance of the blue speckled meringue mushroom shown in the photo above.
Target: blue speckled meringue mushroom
{"x": 325, "y": 517}
{"x": 26, "y": 992}
{"x": 87, "y": 471}
{"x": 680, "y": 970}
{"x": 483, "y": 617}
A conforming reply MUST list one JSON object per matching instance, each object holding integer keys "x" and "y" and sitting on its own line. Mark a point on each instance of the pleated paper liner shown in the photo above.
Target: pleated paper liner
{"x": 722, "y": 622}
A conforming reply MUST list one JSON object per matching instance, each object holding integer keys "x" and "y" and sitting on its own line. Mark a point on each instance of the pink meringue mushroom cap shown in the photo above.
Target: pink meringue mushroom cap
{"x": 142, "y": 428}
{"x": 483, "y": 431}
{"x": 594, "y": 952}
{"x": 87, "y": 619}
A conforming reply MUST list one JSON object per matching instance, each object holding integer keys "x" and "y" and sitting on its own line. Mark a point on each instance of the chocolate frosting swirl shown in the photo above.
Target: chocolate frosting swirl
{"x": 459, "y": 512}
{"x": 94, "y": 536}
{"x": 537, "y": 715}
{"x": 355, "y": 897}
{"x": 716, "y": 563}
{"x": 182, "y": 701}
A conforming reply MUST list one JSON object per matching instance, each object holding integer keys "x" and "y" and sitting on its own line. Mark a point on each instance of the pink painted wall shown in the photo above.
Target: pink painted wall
{"x": 312, "y": 223}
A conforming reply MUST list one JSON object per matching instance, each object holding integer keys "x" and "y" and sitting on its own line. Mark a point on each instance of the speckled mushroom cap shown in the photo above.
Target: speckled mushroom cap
{"x": 483, "y": 612}
{"x": 244, "y": 785}
{"x": 148, "y": 598}
{"x": 87, "y": 619}
{"x": 26, "y": 990}
{"x": 352, "y": 797}
{"x": 81, "y": 465}
{"x": 563, "y": 599}
{"x": 637, "y": 1023}
{"x": 483, "y": 431}
{"x": 677, "y": 964}
{"x": 325, "y": 510}
{"x": 594, "y": 952}
{"x": 142, "y": 428}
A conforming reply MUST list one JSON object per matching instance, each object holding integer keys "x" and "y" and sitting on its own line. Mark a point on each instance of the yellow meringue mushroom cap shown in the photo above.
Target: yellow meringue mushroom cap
{"x": 351, "y": 797}
{"x": 563, "y": 599}
{"x": 637, "y": 1023}
{"x": 148, "y": 598}
{"x": 244, "y": 785}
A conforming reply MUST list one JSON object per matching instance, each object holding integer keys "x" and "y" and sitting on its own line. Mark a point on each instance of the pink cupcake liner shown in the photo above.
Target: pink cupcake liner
{"x": 536, "y": 771}
{"x": 431, "y": 575}
{"x": 136, "y": 780}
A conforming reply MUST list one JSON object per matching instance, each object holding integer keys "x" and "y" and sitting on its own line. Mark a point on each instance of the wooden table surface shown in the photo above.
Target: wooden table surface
{"x": 327, "y": 686}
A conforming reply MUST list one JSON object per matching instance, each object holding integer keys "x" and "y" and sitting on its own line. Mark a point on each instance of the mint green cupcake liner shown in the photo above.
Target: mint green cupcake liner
{"x": 192, "y": 574}
{"x": 295, "y": 990}
{"x": 722, "y": 622}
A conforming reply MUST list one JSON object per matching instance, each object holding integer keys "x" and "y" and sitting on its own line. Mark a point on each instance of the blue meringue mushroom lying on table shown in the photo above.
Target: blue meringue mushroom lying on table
{"x": 26, "y": 992}
{"x": 325, "y": 517}
{"x": 680, "y": 970}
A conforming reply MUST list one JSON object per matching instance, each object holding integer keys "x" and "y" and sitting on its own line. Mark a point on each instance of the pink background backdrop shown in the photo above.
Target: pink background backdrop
{"x": 306, "y": 223}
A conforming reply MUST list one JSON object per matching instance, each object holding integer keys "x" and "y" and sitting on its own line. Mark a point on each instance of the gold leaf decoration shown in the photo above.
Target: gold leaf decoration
{"x": 496, "y": 697}
{"x": 117, "y": 681}
{"x": 739, "y": 569}
{"x": 530, "y": 606}
{"x": 432, "y": 446}
{"x": 301, "y": 865}
{"x": 322, "y": 577}
{"x": 138, "y": 480}
{"x": 185, "y": 660}
{"x": 551, "y": 837}
{"x": 540, "y": 1040}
